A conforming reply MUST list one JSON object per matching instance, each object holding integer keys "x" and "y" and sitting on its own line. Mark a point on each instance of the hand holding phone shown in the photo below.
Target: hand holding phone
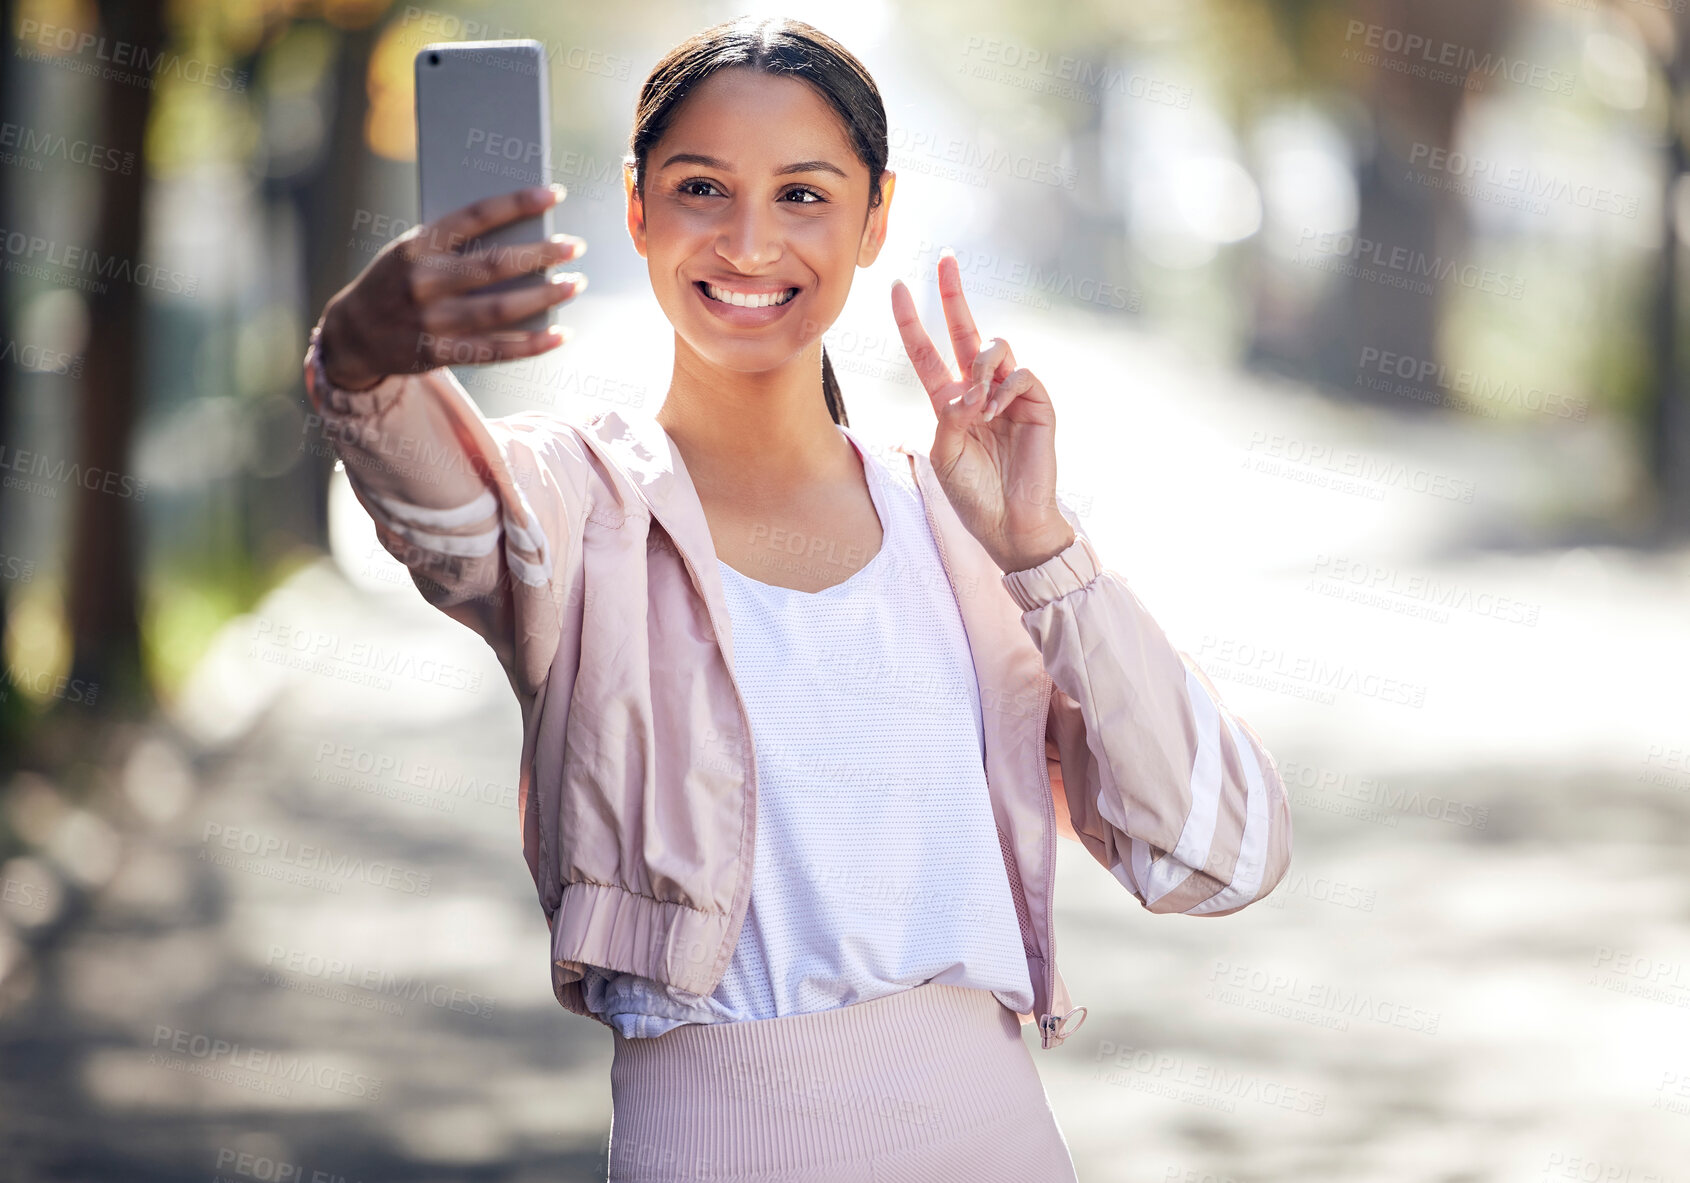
{"x": 417, "y": 306}
{"x": 468, "y": 285}
{"x": 484, "y": 128}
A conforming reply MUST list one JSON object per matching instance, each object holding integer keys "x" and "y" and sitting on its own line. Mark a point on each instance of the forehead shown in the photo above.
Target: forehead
{"x": 750, "y": 118}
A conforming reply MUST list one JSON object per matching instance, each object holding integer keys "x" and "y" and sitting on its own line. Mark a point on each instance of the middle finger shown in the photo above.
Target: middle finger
{"x": 965, "y": 338}
{"x": 451, "y": 273}
{"x": 477, "y": 313}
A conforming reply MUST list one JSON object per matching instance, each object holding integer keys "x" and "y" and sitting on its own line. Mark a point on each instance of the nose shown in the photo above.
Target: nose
{"x": 750, "y": 238}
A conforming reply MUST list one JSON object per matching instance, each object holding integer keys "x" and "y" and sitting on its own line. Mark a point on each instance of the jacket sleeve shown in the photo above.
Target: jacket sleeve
{"x": 483, "y": 512}
{"x": 1166, "y": 788}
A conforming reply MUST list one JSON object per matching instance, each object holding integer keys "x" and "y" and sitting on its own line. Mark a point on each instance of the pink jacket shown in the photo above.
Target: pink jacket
{"x": 581, "y": 553}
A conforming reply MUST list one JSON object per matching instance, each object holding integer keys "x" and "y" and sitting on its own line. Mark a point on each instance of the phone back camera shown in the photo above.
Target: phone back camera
{"x": 434, "y": 59}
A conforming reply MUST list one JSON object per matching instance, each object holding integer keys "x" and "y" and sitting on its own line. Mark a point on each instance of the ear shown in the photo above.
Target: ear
{"x": 874, "y": 230}
{"x": 636, "y": 210}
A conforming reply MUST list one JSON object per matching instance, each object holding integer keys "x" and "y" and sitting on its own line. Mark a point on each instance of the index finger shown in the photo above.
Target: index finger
{"x": 965, "y": 338}
{"x": 929, "y": 366}
{"x": 450, "y": 232}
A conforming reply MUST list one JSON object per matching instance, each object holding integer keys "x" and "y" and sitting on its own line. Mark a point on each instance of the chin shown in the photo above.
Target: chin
{"x": 742, "y": 357}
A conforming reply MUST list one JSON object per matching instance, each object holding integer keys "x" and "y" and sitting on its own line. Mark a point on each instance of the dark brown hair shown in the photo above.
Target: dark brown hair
{"x": 774, "y": 45}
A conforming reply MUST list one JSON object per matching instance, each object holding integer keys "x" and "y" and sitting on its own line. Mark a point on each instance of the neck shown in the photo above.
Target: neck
{"x": 769, "y": 429}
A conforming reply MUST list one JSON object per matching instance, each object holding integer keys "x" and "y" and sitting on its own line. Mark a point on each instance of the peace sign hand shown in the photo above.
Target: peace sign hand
{"x": 994, "y": 450}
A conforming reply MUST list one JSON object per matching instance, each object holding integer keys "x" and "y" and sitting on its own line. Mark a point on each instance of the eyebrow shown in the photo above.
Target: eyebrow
{"x": 802, "y": 166}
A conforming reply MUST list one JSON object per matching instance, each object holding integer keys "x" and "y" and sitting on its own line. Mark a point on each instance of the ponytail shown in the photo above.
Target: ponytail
{"x": 830, "y": 391}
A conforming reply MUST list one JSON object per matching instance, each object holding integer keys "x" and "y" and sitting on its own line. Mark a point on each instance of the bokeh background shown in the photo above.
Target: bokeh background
{"x": 1364, "y": 323}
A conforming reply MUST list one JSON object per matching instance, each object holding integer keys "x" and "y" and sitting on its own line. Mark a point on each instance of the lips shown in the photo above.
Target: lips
{"x": 742, "y": 298}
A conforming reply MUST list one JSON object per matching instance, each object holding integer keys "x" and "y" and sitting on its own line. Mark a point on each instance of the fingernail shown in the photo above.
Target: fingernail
{"x": 944, "y": 251}
{"x": 560, "y": 189}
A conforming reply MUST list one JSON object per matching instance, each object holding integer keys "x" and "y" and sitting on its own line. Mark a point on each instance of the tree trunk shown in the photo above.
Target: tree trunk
{"x": 1668, "y": 420}
{"x": 326, "y": 207}
{"x": 12, "y": 713}
{"x": 1412, "y": 225}
{"x": 104, "y": 586}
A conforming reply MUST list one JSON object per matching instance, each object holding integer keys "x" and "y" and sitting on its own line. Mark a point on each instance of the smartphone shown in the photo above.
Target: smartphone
{"x": 484, "y": 128}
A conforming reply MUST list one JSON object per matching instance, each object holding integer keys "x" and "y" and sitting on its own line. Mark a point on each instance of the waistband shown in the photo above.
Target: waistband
{"x": 928, "y": 1082}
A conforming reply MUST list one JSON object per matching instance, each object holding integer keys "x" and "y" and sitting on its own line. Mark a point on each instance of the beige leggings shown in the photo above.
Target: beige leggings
{"x": 931, "y": 1083}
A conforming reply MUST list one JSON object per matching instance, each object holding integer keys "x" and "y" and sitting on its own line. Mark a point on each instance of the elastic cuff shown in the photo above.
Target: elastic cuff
{"x": 331, "y": 401}
{"x": 1066, "y": 571}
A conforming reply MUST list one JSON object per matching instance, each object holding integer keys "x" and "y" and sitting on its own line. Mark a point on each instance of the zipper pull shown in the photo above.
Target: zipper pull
{"x": 1052, "y": 1028}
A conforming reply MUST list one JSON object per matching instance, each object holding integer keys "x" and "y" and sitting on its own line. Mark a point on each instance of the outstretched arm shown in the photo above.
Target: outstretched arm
{"x": 476, "y": 509}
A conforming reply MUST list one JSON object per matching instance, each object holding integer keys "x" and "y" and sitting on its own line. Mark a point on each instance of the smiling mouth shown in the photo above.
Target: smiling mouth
{"x": 742, "y": 300}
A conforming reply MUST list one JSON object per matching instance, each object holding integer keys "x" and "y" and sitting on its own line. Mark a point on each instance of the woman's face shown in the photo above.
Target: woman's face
{"x": 754, "y": 196}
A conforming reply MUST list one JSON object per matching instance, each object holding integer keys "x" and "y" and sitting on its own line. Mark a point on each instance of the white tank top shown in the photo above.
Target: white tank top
{"x": 877, "y": 864}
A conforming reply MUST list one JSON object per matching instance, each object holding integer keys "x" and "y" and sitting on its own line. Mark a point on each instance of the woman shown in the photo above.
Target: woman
{"x": 815, "y": 952}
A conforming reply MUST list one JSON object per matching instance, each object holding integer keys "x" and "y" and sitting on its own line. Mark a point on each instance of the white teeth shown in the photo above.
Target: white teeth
{"x": 743, "y": 300}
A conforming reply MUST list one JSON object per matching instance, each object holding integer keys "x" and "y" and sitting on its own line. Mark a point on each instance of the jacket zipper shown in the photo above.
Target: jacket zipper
{"x": 1048, "y": 1022}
